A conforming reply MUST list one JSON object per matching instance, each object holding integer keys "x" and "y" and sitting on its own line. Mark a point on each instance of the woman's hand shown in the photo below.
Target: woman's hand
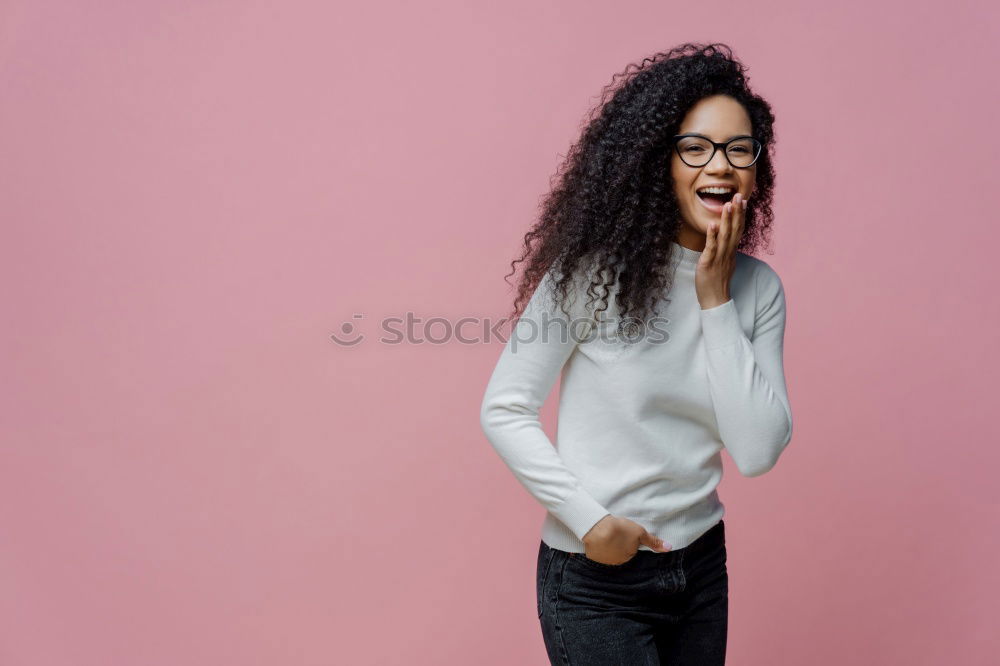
{"x": 718, "y": 260}
{"x": 616, "y": 540}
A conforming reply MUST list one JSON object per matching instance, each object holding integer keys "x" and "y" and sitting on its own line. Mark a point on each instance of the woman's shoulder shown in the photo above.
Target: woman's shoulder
{"x": 764, "y": 277}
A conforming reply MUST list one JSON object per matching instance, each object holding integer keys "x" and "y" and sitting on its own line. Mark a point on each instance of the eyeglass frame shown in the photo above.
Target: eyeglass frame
{"x": 715, "y": 147}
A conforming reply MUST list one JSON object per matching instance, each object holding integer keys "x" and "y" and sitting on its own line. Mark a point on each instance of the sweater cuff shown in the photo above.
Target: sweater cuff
{"x": 720, "y": 326}
{"x": 580, "y": 512}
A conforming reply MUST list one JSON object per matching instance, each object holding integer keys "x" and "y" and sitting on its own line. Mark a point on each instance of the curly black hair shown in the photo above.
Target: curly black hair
{"x": 612, "y": 205}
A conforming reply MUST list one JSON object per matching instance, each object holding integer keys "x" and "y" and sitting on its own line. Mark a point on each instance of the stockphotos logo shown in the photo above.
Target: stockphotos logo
{"x": 546, "y": 329}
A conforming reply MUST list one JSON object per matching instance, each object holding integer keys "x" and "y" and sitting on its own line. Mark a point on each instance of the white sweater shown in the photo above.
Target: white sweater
{"x": 642, "y": 426}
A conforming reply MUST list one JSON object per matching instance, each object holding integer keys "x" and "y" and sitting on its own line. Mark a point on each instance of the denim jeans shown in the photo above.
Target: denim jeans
{"x": 657, "y": 608}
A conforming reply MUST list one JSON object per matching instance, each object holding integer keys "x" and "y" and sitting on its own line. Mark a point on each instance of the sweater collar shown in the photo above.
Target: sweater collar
{"x": 684, "y": 255}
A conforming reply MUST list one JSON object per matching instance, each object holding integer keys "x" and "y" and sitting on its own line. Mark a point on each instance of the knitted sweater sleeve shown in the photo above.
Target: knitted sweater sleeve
{"x": 746, "y": 376}
{"x": 540, "y": 344}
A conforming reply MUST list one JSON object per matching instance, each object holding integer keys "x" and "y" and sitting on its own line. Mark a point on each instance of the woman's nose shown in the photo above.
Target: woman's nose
{"x": 719, "y": 163}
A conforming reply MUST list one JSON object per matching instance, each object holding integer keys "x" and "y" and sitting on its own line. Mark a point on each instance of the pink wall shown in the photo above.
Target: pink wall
{"x": 195, "y": 195}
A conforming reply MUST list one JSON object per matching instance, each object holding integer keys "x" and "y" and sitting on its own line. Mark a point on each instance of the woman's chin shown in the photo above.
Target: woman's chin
{"x": 698, "y": 226}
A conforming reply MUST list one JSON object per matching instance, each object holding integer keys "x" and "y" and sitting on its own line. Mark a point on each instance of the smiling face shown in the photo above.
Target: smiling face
{"x": 719, "y": 118}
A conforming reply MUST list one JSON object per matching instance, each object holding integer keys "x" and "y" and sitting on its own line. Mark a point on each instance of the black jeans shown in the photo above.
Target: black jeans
{"x": 657, "y": 608}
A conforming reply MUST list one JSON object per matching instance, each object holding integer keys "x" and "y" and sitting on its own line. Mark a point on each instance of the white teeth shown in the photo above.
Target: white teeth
{"x": 717, "y": 190}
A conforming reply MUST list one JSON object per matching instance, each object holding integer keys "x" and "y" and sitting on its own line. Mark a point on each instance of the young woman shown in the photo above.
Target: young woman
{"x": 668, "y": 188}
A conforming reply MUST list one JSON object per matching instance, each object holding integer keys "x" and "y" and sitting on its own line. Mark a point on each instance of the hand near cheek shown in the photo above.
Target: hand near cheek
{"x": 718, "y": 260}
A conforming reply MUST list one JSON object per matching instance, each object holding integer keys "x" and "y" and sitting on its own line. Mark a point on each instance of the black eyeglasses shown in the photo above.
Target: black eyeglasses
{"x": 696, "y": 150}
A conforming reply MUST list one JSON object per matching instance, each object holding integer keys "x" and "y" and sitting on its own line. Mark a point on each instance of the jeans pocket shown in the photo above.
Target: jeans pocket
{"x": 545, "y": 557}
{"x": 601, "y": 566}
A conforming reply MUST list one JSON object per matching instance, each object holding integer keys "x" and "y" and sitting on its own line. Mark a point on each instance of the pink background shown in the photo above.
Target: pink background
{"x": 195, "y": 195}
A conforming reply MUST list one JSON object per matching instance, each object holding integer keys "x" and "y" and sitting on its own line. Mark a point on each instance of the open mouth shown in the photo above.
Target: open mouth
{"x": 715, "y": 198}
